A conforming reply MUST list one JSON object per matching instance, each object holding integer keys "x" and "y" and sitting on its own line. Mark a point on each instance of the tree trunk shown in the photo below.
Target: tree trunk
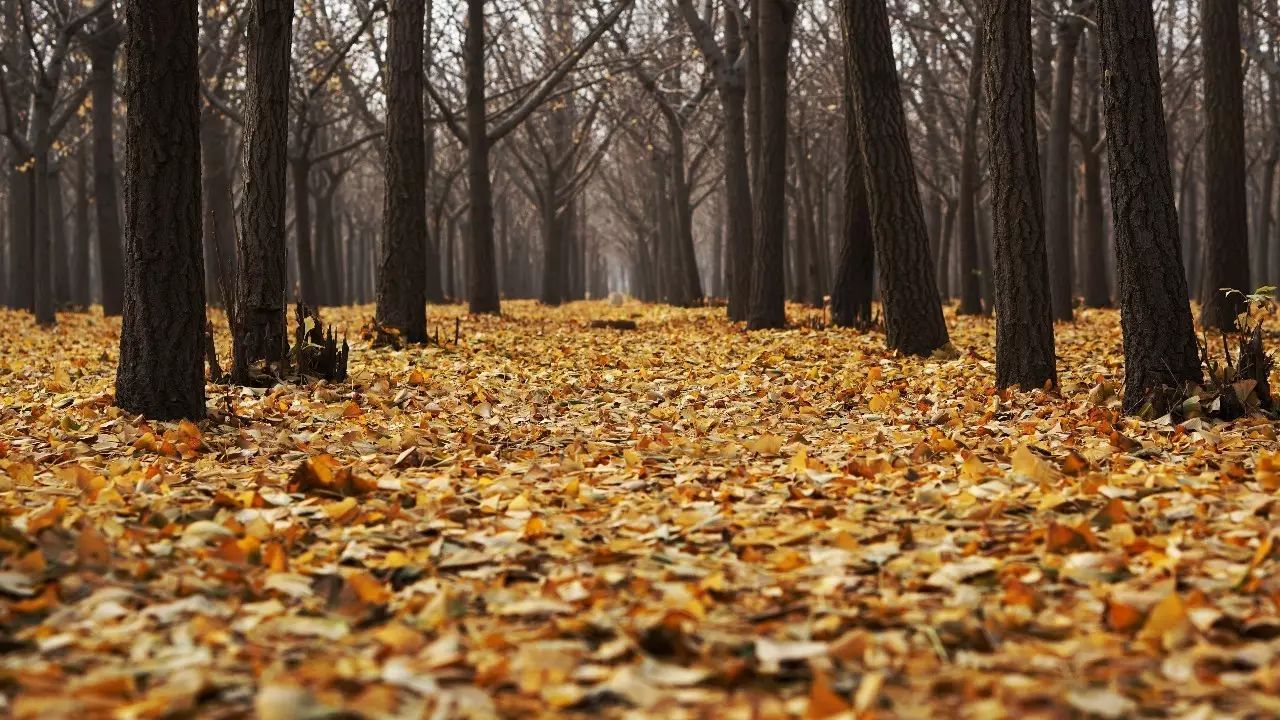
{"x": 308, "y": 287}
{"x": 913, "y": 312}
{"x": 688, "y": 282}
{"x": 970, "y": 275}
{"x": 482, "y": 282}
{"x": 737, "y": 179}
{"x": 261, "y": 287}
{"x": 1097, "y": 289}
{"x": 61, "y": 256}
{"x": 20, "y": 196}
{"x": 82, "y": 292}
{"x": 553, "y": 251}
{"x": 40, "y": 239}
{"x": 161, "y": 371}
{"x": 1159, "y": 340}
{"x": 855, "y": 275}
{"x": 102, "y": 52}
{"x": 219, "y": 206}
{"x": 402, "y": 300}
{"x": 1057, "y": 198}
{"x": 768, "y": 284}
{"x": 1226, "y": 210}
{"x": 1023, "y": 309}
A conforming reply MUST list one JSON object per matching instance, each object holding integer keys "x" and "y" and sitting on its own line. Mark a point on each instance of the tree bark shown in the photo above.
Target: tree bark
{"x": 913, "y": 312}
{"x": 1160, "y": 350}
{"x": 161, "y": 371}
{"x": 1226, "y": 210}
{"x": 768, "y": 284}
{"x": 261, "y": 292}
{"x": 402, "y": 291}
{"x": 1024, "y": 322}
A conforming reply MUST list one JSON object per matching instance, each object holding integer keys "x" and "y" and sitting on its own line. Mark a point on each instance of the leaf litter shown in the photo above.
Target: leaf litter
{"x": 681, "y": 520}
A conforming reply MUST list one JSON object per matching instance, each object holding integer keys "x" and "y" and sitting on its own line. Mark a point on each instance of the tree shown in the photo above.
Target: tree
{"x": 970, "y": 274}
{"x": 855, "y": 273}
{"x": 729, "y": 66}
{"x": 768, "y": 284}
{"x": 161, "y": 370}
{"x": 1057, "y": 197}
{"x": 478, "y": 133}
{"x": 1024, "y": 322}
{"x": 1160, "y": 350}
{"x": 1226, "y": 206}
{"x": 402, "y": 273}
{"x": 912, "y": 309}
{"x": 44, "y": 58}
{"x": 261, "y": 273}
{"x": 103, "y": 44}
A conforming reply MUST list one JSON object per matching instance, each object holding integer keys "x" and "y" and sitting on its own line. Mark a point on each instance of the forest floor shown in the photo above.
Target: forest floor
{"x": 680, "y": 521}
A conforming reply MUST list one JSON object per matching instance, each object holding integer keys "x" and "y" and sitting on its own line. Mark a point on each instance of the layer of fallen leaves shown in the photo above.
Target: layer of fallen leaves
{"x": 681, "y": 520}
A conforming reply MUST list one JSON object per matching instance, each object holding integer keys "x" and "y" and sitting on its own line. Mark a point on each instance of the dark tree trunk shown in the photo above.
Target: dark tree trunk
{"x": 402, "y": 275}
{"x": 82, "y": 278}
{"x": 308, "y": 283}
{"x": 1097, "y": 289}
{"x": 219, "y": 206}
{"x": 688, "y": 282}
{"x": 102, "y": 52}
{"x": 42, "y": 304}
{"x": 912, "y": 310}
{"x": 1057, "y": 196}
{"x": 1024, "y": 322}
{"x": 553, "y": 251}
{"x": 161, "y": 371}
{"x": 737, "y": 179}
{"x": 21, "y": 199}
{"x": 61, "y": 256}
{"x": 855, "y": 274}
{"x": 261, "y": 289}
{"x": 970, "y": 275}
{"x": 482, "y": 281}
{"x": 1226, "y": 230}
{"x": 1159, "y": 339}
{"x": 768, "y": 283}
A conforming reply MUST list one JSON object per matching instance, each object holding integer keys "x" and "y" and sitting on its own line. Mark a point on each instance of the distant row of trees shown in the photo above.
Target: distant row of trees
{"x": 804, "y": 151}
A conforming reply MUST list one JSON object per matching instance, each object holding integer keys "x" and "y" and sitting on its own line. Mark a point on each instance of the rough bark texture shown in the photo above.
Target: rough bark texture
{"x": 768, "y": 262}
{"x": 402, "y": 293}
{"x": 1024, "y": 322}
{"x": 970, "y": 275}
{"x": 482, "y": 280}
{"x": 261, "y": 293}
{"x": 1226, "y": 229}
{"x": 161, "y": 372}
{"x": 855, "y": 273}
{"x": 912, "y": 310}
{"x": 1057, "y": 195}
{"x": 102, "y": 52}
{"x": 1155, "y": 315}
